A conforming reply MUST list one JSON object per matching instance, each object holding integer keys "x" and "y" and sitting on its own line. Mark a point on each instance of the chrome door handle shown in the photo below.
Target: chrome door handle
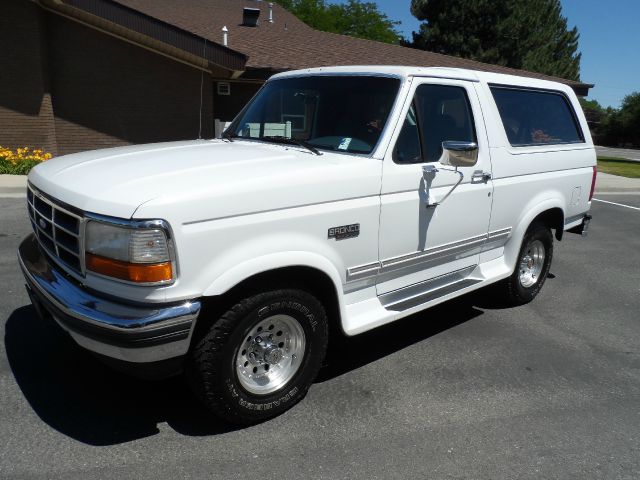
{"x": 480, "y": 176}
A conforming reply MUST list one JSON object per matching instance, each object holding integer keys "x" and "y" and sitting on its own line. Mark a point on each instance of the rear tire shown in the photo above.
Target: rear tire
{"x": 532, "y": 266}
{"x": 259, "y": 358}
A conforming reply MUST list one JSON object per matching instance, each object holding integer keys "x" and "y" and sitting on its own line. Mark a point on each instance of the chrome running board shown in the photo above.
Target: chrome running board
{"x": 423, "y": 292}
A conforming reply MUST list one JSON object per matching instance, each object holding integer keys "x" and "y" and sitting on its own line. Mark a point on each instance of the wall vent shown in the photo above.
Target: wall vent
{"x": 250, "y": 17}
{"x": 224, "y": 88}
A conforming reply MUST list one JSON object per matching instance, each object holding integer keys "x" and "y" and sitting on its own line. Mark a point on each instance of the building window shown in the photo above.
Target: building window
{"x": 224, "y": 88}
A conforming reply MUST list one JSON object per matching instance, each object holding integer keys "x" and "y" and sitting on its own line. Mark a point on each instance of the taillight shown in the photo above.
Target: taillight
{"x": 593, "y": 182}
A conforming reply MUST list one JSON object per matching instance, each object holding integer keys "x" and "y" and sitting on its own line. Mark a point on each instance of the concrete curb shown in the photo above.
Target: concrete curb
{"x": 613, "y": 183}
{"x": 13, "y": 186}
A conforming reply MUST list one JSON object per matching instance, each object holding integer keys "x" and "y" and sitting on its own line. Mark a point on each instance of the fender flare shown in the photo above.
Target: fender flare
{"x": 275, "y": 261}
{"x": 533, "y": 209}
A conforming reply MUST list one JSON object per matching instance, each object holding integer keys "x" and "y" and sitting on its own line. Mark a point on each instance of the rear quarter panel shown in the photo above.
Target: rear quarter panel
{"x": 530, "y": 180}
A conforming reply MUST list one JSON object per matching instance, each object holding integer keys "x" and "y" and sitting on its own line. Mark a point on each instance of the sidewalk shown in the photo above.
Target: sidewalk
{"x": 607, "y": 183}
{"x": 13, "y": 186}
{"x": 626, "y": 153}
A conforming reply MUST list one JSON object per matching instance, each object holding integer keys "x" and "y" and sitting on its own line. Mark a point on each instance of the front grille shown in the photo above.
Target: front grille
{"x": 59, "y": 230}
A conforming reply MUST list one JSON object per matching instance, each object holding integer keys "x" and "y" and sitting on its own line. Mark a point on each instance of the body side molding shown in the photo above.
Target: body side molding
{"x": 398, "y": 266}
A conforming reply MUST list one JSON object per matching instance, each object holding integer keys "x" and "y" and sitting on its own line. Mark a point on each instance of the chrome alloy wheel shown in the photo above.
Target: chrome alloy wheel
{"x": 531, "y": 264}
{"x": 270, "y": 355}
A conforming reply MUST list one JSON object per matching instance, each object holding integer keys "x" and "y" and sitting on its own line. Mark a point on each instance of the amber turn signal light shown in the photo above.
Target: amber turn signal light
{"x": 132, "y": 272}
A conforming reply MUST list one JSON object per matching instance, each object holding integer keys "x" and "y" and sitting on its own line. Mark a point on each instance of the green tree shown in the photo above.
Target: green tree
{"x": 615, "y": 127}
{"x": 312, "y": 12}
{"x": 596, "y": 116}
{"x": 593, "y": 111}
{"x": 622, "y": 127}
{"x": 630, "y": 119}
{"x": 527, "y": 34}
{"x": 355, "y": 18}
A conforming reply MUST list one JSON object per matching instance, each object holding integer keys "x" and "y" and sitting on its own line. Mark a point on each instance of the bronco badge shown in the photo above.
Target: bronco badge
{"x": 345, "y": 231}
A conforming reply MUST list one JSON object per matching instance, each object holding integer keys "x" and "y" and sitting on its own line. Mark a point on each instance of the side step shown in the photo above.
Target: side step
{"x": 423, "y": 292}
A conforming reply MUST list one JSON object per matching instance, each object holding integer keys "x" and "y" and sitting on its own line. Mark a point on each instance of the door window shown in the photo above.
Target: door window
{"x": 438, "y": 113}
{"x": 408, "y": 148}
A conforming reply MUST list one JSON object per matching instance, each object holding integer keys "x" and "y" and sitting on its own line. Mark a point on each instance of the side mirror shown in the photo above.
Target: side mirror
{"x": 459, "y": 154}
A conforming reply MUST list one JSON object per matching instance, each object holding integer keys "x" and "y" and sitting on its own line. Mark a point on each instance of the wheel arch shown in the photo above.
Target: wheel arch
{"x": 550, "y": 212}
{"x": 310, "y": 272}
{"x": 553, "y": 218}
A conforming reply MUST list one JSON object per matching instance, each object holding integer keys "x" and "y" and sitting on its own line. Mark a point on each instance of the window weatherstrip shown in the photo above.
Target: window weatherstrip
{"x": 563, "y": 95}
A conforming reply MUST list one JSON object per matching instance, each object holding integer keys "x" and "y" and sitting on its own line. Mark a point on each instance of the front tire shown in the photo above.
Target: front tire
{"x": 532, "y": 266}
{"x": 260, "y": 357}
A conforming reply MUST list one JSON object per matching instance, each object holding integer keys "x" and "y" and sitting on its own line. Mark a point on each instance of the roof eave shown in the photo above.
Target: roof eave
{"x": 140, "y": 29}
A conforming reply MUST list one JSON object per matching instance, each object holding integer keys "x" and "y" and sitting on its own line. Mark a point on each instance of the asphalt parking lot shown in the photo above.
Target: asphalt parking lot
{"x": 466, "y": 390}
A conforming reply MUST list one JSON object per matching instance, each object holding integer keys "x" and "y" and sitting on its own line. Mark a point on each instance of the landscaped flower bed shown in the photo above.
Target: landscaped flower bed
{"x": 20, "y": 161}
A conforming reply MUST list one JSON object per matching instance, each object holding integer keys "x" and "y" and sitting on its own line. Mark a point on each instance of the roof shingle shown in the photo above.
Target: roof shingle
{"x": 288, "y": 43}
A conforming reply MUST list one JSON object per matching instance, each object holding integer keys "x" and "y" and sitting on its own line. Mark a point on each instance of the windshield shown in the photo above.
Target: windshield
{"x": 339, "y": 113}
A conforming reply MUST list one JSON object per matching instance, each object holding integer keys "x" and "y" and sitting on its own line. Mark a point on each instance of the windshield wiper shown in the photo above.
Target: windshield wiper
{"x": 292, "y": 141}
{"x": 227, "y": 135}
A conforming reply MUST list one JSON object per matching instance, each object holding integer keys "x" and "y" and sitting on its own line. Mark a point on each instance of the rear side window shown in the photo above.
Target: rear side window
{"x": 536, "y": 117}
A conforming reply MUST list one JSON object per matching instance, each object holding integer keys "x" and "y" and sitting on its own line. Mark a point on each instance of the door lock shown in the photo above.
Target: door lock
{"x": 480, "y": 176}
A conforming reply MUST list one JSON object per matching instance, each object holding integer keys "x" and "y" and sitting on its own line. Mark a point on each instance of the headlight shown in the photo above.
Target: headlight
{"x": 139, "y": 255}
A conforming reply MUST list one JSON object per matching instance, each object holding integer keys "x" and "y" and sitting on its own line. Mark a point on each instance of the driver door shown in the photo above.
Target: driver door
{"x": 422, "y": 247}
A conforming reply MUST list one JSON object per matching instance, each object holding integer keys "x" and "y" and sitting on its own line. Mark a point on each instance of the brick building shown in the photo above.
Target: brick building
{"x": 85, "y": 74}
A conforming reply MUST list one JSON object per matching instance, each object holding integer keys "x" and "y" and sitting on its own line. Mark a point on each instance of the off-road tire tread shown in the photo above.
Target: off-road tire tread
{"x": 207, "y": 356}
{"x": 511, "y": 285}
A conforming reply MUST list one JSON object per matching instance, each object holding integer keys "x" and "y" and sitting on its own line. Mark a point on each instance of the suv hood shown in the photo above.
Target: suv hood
{"x": 117, "y": 181}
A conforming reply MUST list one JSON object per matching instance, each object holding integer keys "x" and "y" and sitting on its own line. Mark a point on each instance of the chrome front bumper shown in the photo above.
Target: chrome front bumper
{"x": 120, "y": 330}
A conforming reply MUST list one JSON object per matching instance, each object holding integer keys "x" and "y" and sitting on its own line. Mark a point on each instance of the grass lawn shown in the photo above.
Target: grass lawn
{"x": 619, "y": 166}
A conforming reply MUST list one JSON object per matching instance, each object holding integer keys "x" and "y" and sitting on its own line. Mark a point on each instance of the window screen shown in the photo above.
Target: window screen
{"x": 536, "y": 117}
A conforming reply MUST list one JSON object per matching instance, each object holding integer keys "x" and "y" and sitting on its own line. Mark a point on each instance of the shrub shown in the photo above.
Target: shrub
{"x": 21, "y": 161}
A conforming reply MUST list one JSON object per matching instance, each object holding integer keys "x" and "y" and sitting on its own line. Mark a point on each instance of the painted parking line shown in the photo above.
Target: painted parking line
{"x": 621, "y": 192}
{"x": 614, "y": 203}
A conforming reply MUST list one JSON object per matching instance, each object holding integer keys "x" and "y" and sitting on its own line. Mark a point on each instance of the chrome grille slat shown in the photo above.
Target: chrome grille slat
{"x": 68, "y": 242}
{"x": 59, "y": 245}
{"x": 41, "y": 231}
{"x": 60, "y": 222}
{"x": 53, "y": 232}
{"x": 45, "y": 209}
{"x": 63, "y": 228}
{"x": 66, "y": 231}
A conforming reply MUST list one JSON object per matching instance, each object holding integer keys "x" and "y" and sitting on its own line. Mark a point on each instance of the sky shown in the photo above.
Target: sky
{"x": 609, "y": 42}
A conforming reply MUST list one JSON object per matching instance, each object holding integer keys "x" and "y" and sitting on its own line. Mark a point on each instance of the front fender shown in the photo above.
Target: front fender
{"x": 254, "y": 266}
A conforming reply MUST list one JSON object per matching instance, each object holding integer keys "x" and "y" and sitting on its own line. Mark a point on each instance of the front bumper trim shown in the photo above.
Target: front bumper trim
{"x": 134, "y": 333}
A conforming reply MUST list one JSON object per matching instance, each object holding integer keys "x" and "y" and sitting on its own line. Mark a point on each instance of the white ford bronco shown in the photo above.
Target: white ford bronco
{"x": 347, "y": 197}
